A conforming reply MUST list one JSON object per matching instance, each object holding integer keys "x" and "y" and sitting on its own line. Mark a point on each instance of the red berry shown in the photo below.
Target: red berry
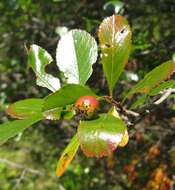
{"x": 87, "y": 105}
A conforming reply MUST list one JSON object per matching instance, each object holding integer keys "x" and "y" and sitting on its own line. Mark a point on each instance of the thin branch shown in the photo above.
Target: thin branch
{"x": 22, "y": 167}
{"x": 167, "y": 93}
{"x": 147, "y": 109}
{"x": 19, "y": 180}
{"x": 132, "y": 117}
{"x": 120, "y": 107}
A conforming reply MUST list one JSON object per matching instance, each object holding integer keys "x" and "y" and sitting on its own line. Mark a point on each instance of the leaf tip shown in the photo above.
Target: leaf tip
{"x": 58, "y": 173}
{"x": 125, "y": 139}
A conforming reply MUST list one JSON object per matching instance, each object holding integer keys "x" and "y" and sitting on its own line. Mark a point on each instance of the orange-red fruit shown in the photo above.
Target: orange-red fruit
{"x": 87, "y": 105}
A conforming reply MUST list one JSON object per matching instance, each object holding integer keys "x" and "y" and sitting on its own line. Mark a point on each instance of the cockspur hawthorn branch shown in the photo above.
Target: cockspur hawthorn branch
{"x": 20, "y": 166}
{"x": 132, "y": 117}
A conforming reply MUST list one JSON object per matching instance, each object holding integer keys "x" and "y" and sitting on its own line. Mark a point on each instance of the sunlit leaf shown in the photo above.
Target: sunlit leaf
{"x": 101, "y": 136}
{"x": 115, "y": 42}
{"x": 12, "y": 128}
{"x": 67, "y": 95}
{"x": 25, "y": 108}
{"x": 153, "y": 78}
{"x": 38, "y": 58}
{"x": 76, "y": 53}
{"x": 67, "y": 156}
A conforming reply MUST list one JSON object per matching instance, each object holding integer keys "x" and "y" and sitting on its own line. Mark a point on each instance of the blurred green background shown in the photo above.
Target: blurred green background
{"x": 28, "y": 161}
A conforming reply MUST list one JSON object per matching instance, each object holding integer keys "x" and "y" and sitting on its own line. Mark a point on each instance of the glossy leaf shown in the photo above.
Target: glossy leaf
{"x": 67, "y": 95}
{"x": 38, "y": 59}
{"x": 67, "y": 156}
{"x": 115, "y": 42}
{"x": 12, "y": 128}
{"x": 163, "y": 86}
{"x": 101, "y": 136}
{"x": 76, "y": 53}
{"x": 25, "y": 108}
{"x": 153, "y": 78}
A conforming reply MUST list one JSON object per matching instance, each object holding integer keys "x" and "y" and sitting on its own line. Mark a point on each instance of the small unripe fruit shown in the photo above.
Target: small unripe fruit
{"x": 87, "y": 106}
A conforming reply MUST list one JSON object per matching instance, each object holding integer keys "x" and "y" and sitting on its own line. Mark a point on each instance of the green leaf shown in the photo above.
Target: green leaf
{"x": 24, "y": 109}
{"x": 115, "y": 42}
{"x": 163, "y": 86}
{"x": 153, "y": 78}
{"x": 67, "y": 95}
{"x": 76, "y": 53}
{"x": 100, "y": 137}
{"x": 12, "y": 128}
{"x": 67, "y": 156}
{"x": 38, "y": 58}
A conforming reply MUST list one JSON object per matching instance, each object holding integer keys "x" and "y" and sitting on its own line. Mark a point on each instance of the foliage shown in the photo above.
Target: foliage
{"x": 100, "y": 136}
{"x": 146, "y": 49}
{"x": 115, "y": 42}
